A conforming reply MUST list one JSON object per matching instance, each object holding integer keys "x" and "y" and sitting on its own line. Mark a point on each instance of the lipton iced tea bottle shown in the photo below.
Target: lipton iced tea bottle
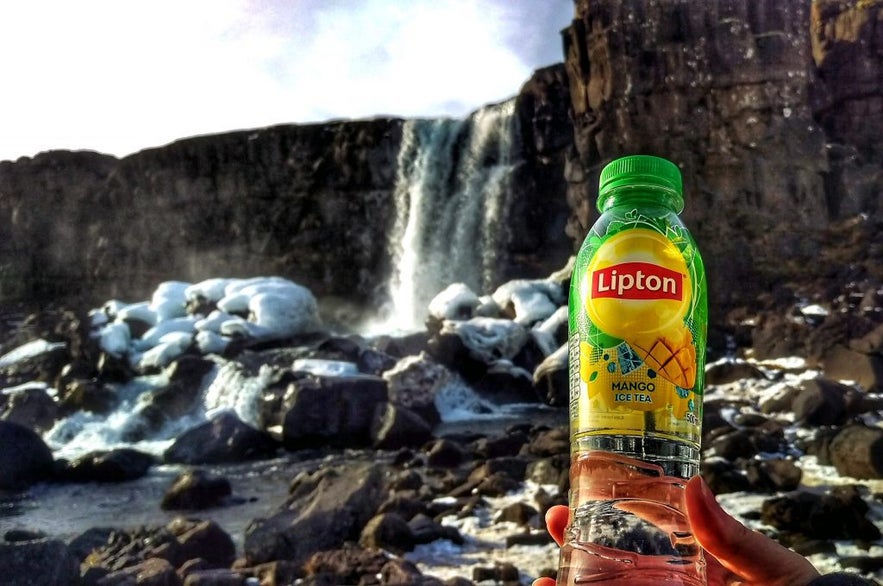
{"x": 637, "y": 354}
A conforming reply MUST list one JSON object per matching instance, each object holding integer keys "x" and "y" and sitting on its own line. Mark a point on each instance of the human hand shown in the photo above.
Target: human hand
{"x": 735, "y": 555}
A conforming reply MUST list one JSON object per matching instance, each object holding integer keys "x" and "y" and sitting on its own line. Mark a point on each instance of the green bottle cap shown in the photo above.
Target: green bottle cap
{"x": 642, "y": 171}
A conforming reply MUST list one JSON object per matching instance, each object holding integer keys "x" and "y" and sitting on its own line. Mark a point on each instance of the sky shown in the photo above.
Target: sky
{"x": 118, "y": 76}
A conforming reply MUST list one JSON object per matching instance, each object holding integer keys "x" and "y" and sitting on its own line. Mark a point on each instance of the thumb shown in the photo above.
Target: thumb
{"x": 750, "y": 555}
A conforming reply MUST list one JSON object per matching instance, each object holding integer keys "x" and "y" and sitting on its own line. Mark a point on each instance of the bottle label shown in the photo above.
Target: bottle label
{"x": 638, "y": 332}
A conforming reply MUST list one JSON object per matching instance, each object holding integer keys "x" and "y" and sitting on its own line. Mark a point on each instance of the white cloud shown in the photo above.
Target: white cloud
{"x": 118, "y": 76}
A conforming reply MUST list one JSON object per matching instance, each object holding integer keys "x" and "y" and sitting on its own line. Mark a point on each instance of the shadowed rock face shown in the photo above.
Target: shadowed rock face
{"x": 768, "y": 108}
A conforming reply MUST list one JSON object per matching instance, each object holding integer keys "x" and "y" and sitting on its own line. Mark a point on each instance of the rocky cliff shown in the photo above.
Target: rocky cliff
{"x": 310, "y": 202}
{"x": 771, "y": 109}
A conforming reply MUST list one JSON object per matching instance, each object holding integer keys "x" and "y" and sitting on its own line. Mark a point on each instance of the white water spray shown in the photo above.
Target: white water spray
{"x": 452, "y": 190}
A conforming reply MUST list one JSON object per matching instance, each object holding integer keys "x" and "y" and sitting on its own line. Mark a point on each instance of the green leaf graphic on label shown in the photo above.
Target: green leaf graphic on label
{"x": 593, "y": 376}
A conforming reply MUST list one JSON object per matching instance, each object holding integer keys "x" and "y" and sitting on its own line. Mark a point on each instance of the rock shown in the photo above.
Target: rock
{"x": 219, "y": 577}
{"x": 30, "y": 406}
{"x": 222, "y": 440}
{"x": 195, "y": 490}
{"x": 185, "y": 376}
{"x": 723, "y": 477}
{"x": 88, "y": 395}
{"x": 24, "y": 459}
{"x": 348, "y": 565}
{"x": 43, "y": 362}
{"x": 821, "y": 402}
{"x": 504, "y": 573}
{"x": 387, "y": 531}
{"x": 204, "y": 540}
{"x": 445, "y": 453}
{"x": 120, "y": 465}
{"x": 841, "y": 363}
{"x": 839, "y": 514}
{"x": 150, "y": 572}
{"x": 551, "y": 379}
{"x": 424, "y": 529}
{"x": 399, "y": 571}
{"x": 503, "y": 382}
{"x": 857, "y": 452}
{"x": 396, "y": 427}
{"x": 46, "y": 562}
{"x": 550, "y": 443}
{"x": 331, "y": 411}
{"x": 518, "y": 513}
{"x": 414, "y": 382}
{"x": 776, "y": 475}
{"x": 721, "y": 373}
{"x": 776, "y": 336}
{"x": 91, "y": 539}
{"x": 332, "y": 507}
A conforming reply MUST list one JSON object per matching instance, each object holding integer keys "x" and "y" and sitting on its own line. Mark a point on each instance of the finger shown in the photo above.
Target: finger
{"x": 543, "y": 582}
{"x": 556, "y": 521}
{"x": 748, "y": 554}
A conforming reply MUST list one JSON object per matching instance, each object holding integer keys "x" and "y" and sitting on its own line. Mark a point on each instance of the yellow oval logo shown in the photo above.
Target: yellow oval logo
{"x": 637, "y": 283}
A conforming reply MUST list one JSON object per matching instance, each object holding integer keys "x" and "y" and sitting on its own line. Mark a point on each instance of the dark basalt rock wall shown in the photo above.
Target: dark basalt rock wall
{"x": 313, "y": 203}
{"x": 771, "y": 109}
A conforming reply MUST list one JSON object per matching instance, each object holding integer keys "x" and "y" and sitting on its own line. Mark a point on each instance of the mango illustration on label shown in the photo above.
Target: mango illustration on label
{"x": 637, "y": 293}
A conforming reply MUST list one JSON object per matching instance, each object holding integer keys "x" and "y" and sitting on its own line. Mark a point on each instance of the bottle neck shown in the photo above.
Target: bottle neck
{"x": 641, "y": 196}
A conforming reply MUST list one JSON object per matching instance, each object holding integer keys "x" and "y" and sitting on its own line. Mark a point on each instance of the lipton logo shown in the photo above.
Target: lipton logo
{"x": 637, "y": 280}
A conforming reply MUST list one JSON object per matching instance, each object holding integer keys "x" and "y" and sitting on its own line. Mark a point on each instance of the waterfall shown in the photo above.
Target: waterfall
{"x": 451, "y": 195}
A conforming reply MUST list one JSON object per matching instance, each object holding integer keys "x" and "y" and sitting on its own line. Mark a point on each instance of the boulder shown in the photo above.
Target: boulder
{"x": 504, "y": 382}
{"x": 119, "y": 465}
{"x": 857, "y": 452}
{"x": 551, "y": 379}
{"x": 204, "y": 540}
{"x": 414, "y": 382}
{"x": 326, "y": 509}
{"x": 180, "y": 395}
{"x": 728, "y": 371}
{"x": 839, "y": 514}
{"x": 842, "y": 363}
{"x": 30, "y": 406}
{"x": 222, "y": 440}
{"x": 150, "y": 572}
{"x": 333, "y": 411}
{"x": 24, "y": 459}
{"x": 387, "y": 531}
{"x": 89, "y": 395}
{"x": 397, "y": 427}
{"x": 347, "y": 565}
{"x": 43, "y": 562}
{"x": 821, "y": 402}
{"x": 195, "y": 490}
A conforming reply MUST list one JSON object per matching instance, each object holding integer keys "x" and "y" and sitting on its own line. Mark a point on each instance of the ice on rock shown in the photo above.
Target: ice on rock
{"x": 285, "y": 312}
{"x": 154, "y": 335}
{"x": 115, "y": 339}
{"x": 488, "y": 339}
{"x": 137, "y": 312}
{"x": 214, "y": 321}
{"x": 234, "y": 303}
{"x": 544, "y": 333}
{"x": 170, "y": 346}
{"x": 29, "y": 350}
{"x": 457, "y": 301}
{"x": 321, "y": 367}
{"x": 212, "y": 290}
{"x": 531, "y": 300}
{"x": 210, "y": 342}
{"x": 169, "y": 300}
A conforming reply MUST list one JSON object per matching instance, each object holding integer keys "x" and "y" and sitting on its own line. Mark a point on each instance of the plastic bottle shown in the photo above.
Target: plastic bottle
{"x": 638, "y": 319}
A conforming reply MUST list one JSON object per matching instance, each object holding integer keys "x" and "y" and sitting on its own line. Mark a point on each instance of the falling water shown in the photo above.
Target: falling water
{"x": 452, "y": 190}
